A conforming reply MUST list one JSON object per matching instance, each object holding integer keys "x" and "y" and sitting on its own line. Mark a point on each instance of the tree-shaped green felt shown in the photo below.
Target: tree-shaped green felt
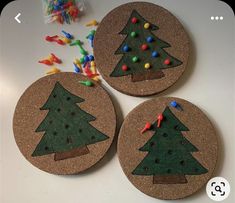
{"x": 143, "y": 53}
{"x": 66, "y": 126}
{"x": 169, "y": 156}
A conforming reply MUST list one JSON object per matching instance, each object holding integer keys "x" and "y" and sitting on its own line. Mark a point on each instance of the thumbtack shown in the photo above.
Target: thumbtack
{"x": 67, "y": 35}
{"x": 159, "y": 120}
{"x": 146, "y": 127}
{"x": 176, "y": 105}
{"x": 87, "y": 83}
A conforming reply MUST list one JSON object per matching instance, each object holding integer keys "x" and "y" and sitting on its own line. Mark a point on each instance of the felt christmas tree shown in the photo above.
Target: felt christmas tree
{"x": 144, "y": 56}
{"x": 169, "y": 156}
{"x": 66, "y": 126}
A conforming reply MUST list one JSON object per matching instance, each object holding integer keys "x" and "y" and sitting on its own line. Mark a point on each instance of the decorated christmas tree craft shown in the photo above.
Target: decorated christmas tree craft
{"x": 144, "y": 56}
{"x": 66, "y": 126}
{"x": 169, "y": 156}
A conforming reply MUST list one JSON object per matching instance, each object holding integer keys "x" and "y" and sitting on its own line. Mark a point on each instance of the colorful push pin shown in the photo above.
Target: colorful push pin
{"x": 93, "y": 63}
{"x": 51, "y": 39}
{"x": 76, "y": 42}
{"x": 155, "y": 54}
{"x": 87, "y": 83}
{"x": 76, "y": 68}
{"x": 82, "y": 60}
{"x": 146, "y": 127}
{"x": 144, "y": 47}
{"x": 176, "y": 105}
{"x": 167, "y": 62}
{"x": 126, "y": 48}
{"x": 135, "y": 59}
{"x": 78, "y": 63}
{"x": 67, "y": 35}
{"x": 65, "y": 40}
{"x": 134, "y": 20}
{"x": 146, "y": 25}
{"x": 149, "y": 39}
{"x": 55, "y": 59}
{"x": 147, "y": 65}
{"x": 46, "y": 62}
{"x": 86, "y": 59}
{"x": 59, "y": 41}
{"x": 92, "y": 23}
{"x": 91, "y": 58}
{"x": 53, "y": 71}
{"x": 159, "y": 120}
{"x": 124, "y": 67}
{"x": 133, "y": 34}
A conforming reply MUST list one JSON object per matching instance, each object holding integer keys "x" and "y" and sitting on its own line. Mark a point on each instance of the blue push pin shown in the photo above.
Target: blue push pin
{"x": 126, "y": 48}
{"x": 176, "y": 105}
{"x": 86, "y": 58}
{"x": 91, "y": 58}
{"x": 155, "y": 54}
{"x": 149, "y": 39}
{"x": 67, "y": 35}
{"x": 76, "y": 69}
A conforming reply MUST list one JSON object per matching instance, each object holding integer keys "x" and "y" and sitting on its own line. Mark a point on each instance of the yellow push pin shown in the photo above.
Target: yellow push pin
{"x": 147, "y": 65}
{"x": 78, "y": 63}
{"x": 146, "y": 25}
{"x": 65, "y": 40}
{"x": 53, "y": 71}
{"x": 92, "y": 23}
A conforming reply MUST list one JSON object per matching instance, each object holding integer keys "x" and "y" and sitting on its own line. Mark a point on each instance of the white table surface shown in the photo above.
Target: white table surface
{"x": 208, "y": 82}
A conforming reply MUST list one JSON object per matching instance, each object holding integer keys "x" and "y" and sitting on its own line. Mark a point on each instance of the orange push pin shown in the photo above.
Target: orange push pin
{"x": 146, "y": 127}
{"x": 159, "y": 120}
{"x": 92, "y": 23}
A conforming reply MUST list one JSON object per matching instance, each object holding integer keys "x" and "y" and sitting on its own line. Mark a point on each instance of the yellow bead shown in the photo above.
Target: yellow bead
{"x": 147, "y": 65}
{"x": 146, "y": 25}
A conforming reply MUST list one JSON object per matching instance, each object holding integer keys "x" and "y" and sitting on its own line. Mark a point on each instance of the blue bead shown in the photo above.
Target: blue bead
{"x": 174, "y": 104}
{"x": 149, "y": 39}
{"x": 91, "y": 58}
{"x": 155, "y": 54}
{"x": 126, "y": 48}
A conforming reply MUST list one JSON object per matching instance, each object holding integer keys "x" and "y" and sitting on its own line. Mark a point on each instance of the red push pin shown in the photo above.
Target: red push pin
{"x": 59, "y": 41}
{"x": 51, "y": 39}
{"x": 146, "y": 127}
{"x": 55, "y": 58}
{"x": 159, "y": 120}
{"x": 46, "y": 62}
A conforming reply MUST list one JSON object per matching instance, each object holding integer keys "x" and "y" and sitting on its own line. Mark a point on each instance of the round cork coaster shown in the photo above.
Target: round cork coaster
{"x": 167, "y": 148}
{"x": 141, "y": 49}
{"x": 63, "y": 126}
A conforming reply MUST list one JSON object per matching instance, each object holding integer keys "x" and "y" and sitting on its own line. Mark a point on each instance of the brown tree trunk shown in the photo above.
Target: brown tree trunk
{"x": 169, "y": 179}
{"x": 148, "y": 75}
{"x": 72, "y": 153}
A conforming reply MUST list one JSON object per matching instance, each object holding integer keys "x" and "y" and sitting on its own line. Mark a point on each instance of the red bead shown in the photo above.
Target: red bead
{"x": 124, "y": 67}
{"x": 167, "y": 62}
{"x": 134, "y": 20}
{"x": 144, "y": 47}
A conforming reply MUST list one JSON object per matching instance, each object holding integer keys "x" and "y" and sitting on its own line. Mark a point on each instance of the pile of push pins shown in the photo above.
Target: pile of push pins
{"x": 160, "y": 117}
{"x": 85, "y": 65}
{"x": 143, "y": 47}
{"x": 62, "y": 11}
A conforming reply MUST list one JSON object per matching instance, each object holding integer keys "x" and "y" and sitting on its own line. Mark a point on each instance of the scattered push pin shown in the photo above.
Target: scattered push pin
{"x": 76, "y": 68}
{"x": 67, "y": 35}
{"x": 59, "y": 41}
{"x": 51, "y": 38}
{"x": 55, "y": 59}
{"x": 159, "y": 120}
{"x": 53, "y": 71}
{"x": 146, "y": 127}
{"x": 46, "y": 62}
{"x": 176, "y": 105}
{"x": 92, "y": 23}
{"x": 87, "y": 83}
{"x": 78, "y": 63}
{"x": 65, "y": 40}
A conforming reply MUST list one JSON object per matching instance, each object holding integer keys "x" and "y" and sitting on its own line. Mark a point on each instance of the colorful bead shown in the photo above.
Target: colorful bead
{"x": 144, "y": 47}
{"x": 155, "y": 54}
{"x": 149, "y": 39}
{"x": 147, "y": 65}
{"x": 124, "y": 67}
{"x": 126, "y": 48}
{"x": 134, "y": 20}
{"x": 135, "y": 59}
{"x": 133, "y": 34}
{"x": 146, "y": 25}
{"x": 167, "y": 62}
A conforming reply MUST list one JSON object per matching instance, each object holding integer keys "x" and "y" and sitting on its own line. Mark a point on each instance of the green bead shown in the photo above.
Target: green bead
{"x": 133, "y": 34}
{"x": 135, "y": 59}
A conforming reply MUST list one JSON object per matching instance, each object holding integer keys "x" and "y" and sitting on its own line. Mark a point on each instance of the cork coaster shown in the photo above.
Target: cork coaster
{"x": 141, "y": 49}
{"x": 62, "y": 126}
{"x": 167, "y": 148}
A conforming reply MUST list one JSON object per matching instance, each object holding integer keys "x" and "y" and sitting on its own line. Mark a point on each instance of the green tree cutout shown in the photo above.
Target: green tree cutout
{"x": 66, "y": 126}
{"x": 144, "y": 56}
{"x": 169, "y": 156}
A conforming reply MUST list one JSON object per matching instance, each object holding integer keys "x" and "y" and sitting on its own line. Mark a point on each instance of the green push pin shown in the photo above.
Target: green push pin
{"x": 135, "y": 59}
{"x": 133, "y": 34}
{"x": 82, "y": 60}
{"x": 86, "y": 83}
{"x": 83, "y": 52}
